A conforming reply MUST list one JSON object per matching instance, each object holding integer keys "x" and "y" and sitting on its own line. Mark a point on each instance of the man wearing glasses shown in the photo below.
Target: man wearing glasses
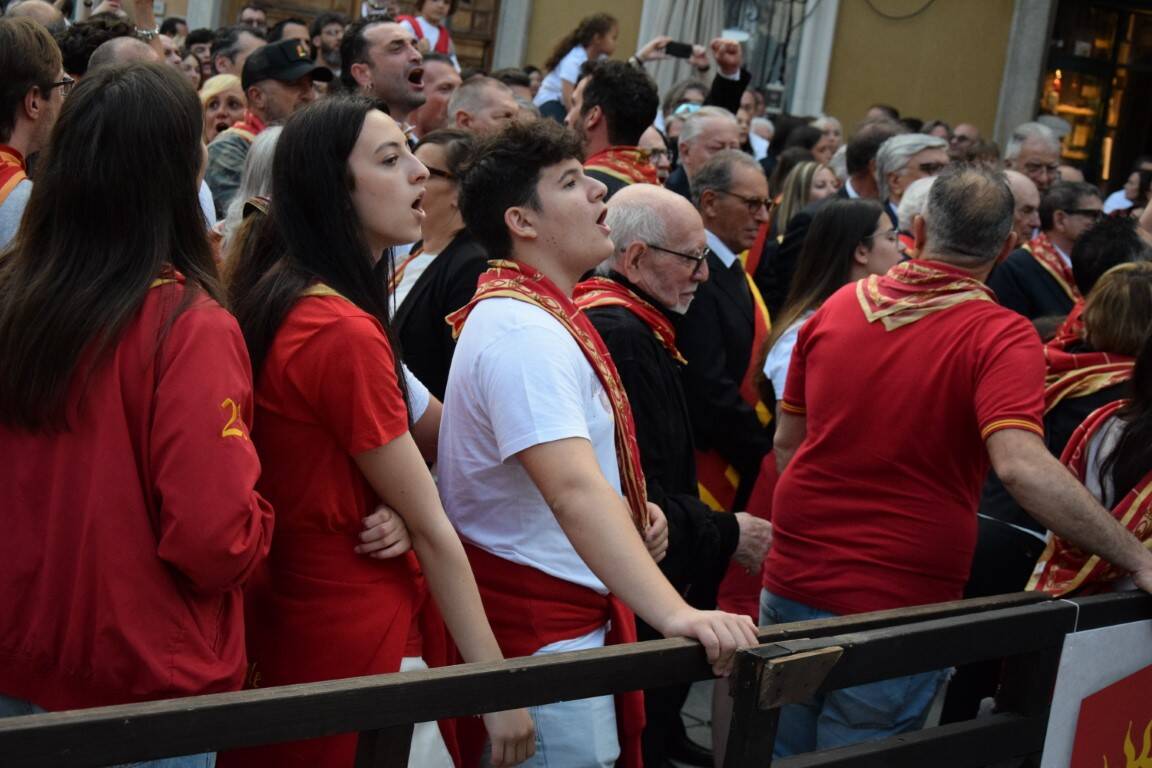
{"x": 904, "y": 159}
{"x": 30, "y": 60}
{"x": 1036, "y": 280}
{"x": 1034, "y": 150}
{"x": 723, "y": 333}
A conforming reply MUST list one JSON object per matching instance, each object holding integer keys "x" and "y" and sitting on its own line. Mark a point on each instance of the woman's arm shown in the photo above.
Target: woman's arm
{"x": 396, "y": 471}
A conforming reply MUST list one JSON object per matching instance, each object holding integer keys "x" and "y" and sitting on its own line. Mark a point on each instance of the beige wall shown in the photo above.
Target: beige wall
{"x": 943, "y": 64}
{"x": 552, "y": 19}
{"x": 176, "y": 8}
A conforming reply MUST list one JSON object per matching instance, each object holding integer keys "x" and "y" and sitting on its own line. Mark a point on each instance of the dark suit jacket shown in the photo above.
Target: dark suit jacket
{"x": 1024, "y": 286}
{"x": 715, "y": 336}
{"x": 447, "y": 284}
{"x": 700, "y": 541}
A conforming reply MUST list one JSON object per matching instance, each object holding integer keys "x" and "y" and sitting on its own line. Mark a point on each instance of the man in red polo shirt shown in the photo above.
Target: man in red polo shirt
{"x": 901, "y": 391}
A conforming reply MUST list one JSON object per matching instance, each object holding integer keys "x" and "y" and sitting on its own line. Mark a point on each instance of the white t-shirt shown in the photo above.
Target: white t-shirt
{"x": 552, "y": 89}
{"x": 1117, "y": 201}
{"x": 780, "y": 355}
{"x": 418, "y": 395}
{"x": 518, "y": 379}
{"x": 432, "y": 35}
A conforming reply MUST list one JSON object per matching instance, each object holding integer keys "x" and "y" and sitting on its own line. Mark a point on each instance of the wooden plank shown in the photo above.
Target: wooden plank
{"x": 752, "y": 731}
{"x": 957, "y": 745}
{"x": 796, "y": 677}
{"x": 384, "y": 747}
{"x": 196, "y": 724}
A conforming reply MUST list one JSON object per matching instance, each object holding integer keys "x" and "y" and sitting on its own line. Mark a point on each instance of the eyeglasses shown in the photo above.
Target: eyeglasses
{"x": 891, "y": 235}
{"x": 1092, "y": 213}
{"x": 440, "y": 174}
{"x": 654, "y": 155}
{"x": 754, "y": 204}
{"x": 1051, "y": 169}
{"x": 931, "y": 169}
{"x": 698, "y": 258}
{"x": 64, "y": 85}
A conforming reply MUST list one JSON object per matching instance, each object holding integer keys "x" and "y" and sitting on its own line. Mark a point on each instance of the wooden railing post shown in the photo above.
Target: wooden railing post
{"x": 384, "y": 748}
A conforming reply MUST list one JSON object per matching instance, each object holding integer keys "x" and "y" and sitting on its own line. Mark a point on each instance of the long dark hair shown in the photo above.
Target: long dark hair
{"x": 586, "y": 31}
{"x": 311, "y": 232}
{"x": 115, "y": 201}
{"x": 1131, "y": 460}
{"x": 825, "y": 263}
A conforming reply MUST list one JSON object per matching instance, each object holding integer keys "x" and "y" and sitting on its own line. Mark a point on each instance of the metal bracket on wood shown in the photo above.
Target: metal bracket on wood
{"x": 765, "y": 678}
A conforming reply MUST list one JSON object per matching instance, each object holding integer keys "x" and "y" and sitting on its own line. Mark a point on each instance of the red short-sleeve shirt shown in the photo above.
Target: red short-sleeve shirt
{"x": 877, "y": 508}
{"x": 327, "y": 392}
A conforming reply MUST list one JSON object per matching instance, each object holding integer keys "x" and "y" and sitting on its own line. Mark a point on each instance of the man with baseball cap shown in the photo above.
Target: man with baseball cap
{"x": 277, "y": 80}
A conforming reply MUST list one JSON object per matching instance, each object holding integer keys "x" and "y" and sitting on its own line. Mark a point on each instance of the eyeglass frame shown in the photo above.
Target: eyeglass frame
{"x": 66, "y": 85}
{"x": 1093, "y": 213}
{"x": 753, "y": 204}
{"x": 892, "y": 235}
{"x": 698, "y": 261}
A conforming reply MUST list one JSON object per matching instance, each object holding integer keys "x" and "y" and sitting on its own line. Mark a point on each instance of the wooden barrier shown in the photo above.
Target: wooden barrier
{"x": 792, "y": 661}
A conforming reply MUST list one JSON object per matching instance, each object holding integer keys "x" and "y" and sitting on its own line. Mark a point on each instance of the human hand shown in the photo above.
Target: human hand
{"x": 729, "y": 56}
{"x": 699, "y": 58}
{"x": 654, "y": 50}
{"x": 755, "y": 539}
{"x": 656, "y": 537}
{"x": 721, "y": 634}
{"x": 384, "y": 535}
{"x": 513, "y": 736}
{"x": 1143, "y": 579}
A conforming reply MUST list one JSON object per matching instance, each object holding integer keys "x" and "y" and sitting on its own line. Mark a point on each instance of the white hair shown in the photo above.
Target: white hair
{"x": 1026, "y": 132}
{"x": 839, "y": 163}
{"x": 827, "y": 123}
{"x": 913, "y": 202}
{"x": 631, "y": 221}
{"x": 694, "y": 123}
{"x": 894, "y": 154}
{"x": 255, "y": 181}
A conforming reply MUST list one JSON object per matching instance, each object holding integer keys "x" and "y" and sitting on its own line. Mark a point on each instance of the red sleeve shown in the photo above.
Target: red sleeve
{"x": 347, "y": 374}
{"x": 214, "y": 527}
{"x": 793, "y": 400}
{"x": 1009, "y": 377}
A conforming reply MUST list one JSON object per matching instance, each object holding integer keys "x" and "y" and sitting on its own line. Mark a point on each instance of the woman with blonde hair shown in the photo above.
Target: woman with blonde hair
{"x": 806, "y": 183}
{"x": 224, "y": 103}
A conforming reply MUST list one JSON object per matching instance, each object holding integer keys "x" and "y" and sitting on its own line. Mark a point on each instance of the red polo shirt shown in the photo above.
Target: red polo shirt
{"x": 877, "y": 508}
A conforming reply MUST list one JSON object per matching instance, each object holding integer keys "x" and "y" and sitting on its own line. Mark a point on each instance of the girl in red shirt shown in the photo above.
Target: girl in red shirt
{"x": 127, "y": 480}
{"x": 332, "y": 427}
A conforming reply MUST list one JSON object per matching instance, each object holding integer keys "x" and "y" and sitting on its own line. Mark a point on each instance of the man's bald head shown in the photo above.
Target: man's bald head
{"x": 1026, "y": 217}
{"x": 121, "y": 50}
{"x": 969, "y": 217}
{"x": 659, "y": 244}
{"x": 41, "y": 12}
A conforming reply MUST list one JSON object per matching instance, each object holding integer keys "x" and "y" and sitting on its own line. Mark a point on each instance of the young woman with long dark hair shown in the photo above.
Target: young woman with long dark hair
{"x": 127, "y": 484}
{"x": 332, "y": 426}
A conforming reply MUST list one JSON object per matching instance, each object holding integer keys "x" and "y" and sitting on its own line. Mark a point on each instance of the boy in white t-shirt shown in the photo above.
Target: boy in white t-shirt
{"x": 537, "y": 445}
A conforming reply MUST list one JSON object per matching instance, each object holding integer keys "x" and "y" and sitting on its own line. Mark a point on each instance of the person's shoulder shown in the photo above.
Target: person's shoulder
{"x": 618, "y": 323}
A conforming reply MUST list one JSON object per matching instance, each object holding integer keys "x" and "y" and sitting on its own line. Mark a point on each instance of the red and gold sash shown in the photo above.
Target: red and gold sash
{"x": 507, "y": 279}
{"x": 1045, "y": 254}
{"x": 1063, "y": 567}
{"x": 1072, "y": 329}
{"x": 248, "y": 128}
{"x": 629, "y": 164}
{"x": 12, "y": 171}
{"x": 1078, "y": 374}
{"x": 751, "y": 257}
{"x": 718, "y": 481}
{"x": 606, "y": 292}
{"x": 912, "y": 290}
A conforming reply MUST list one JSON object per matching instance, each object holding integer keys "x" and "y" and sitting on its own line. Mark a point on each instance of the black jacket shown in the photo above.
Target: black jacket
{"x": 447, "y": 284}
{"x": 700, "y": 541}
{"x": 1024, "y": 286}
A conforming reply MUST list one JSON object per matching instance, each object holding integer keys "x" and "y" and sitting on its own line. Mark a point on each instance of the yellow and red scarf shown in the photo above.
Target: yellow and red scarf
{"x": 12, "y": 171}
{"x": 508, "y": 279}
{"x": 1078, "y": 374}
{"x": 1046, "y": 255}
{"x": 912, "y": 290}
{"x": 606, "y": 292}
{"x": 718, "y": 481}
{"x": 1063, "y": 567}
{"x": 629, "y": 164}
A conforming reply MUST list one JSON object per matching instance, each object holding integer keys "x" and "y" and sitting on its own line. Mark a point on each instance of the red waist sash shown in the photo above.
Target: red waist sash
{"x": 528, "y": 609}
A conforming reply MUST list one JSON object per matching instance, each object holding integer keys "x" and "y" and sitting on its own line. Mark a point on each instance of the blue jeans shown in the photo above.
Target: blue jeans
{"x": 10, "y": 707}
{"x": 851, "y": 715}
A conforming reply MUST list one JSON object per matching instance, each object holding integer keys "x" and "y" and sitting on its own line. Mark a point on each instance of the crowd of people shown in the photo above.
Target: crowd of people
{"x": 322, "y": 356}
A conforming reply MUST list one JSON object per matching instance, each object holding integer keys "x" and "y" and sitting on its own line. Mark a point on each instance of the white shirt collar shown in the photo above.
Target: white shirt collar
{"x": 723, "y": 252}
{"x": 852, "y": 193}
{"x": 1066, "y": 258}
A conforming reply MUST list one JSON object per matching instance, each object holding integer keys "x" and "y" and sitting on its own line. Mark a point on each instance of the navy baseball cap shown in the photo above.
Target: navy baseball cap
{"x": 286, "y": 60}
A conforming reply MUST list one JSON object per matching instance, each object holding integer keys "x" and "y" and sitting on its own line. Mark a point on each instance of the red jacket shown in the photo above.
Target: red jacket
{"x": 127, "y": 538}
